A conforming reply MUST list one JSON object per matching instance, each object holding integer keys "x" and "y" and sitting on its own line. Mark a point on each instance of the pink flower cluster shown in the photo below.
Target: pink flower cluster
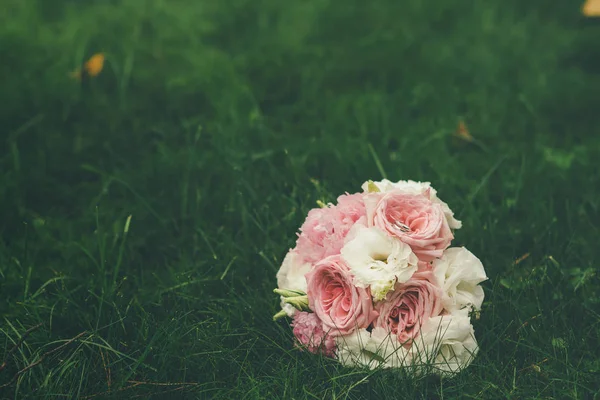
{"x": 397, "y": 281}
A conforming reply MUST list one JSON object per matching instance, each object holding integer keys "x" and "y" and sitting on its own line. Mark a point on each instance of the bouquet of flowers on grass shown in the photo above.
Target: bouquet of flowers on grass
{"x": 372, "y": 282}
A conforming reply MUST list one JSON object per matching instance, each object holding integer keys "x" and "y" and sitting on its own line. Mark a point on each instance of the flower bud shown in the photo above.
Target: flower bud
{"x": 298, "y": 302}
{"x": 280, "y": 314}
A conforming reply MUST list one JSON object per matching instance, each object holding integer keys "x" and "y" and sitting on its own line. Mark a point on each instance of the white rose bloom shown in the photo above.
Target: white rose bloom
{"x": 291, "y": 276}
{"x": 459, "y": 274}
{"x": 371, "y": 350}
{"x": 414, "y": 187}
{"x": 378, "y": 261}
{"x": 446, "y": 344}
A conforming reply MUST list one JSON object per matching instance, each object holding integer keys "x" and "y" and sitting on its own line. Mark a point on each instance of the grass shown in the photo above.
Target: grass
{"x": 215, "y": 127}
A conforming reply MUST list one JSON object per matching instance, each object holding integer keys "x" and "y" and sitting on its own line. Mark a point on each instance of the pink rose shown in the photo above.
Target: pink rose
{"x": 410, "y": 305}
{"x": 337, "y": 302}
{"x": 414, "y": 219}
{"x": 324, "y": 230}
{"x": 309, "y": 332}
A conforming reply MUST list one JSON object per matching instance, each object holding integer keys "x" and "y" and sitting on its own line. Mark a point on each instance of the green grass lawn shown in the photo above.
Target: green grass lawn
{"x": 216, "y": 125}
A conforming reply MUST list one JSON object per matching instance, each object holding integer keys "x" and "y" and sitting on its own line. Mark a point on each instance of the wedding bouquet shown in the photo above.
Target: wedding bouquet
{"x": 372, "y": 282}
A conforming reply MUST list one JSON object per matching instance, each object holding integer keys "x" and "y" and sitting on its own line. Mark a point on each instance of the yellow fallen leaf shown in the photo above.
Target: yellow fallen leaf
{"x": 91, "y": 68}
{"x": 95, "y": 64}
{"x": 591, "y": 8}
{"x": 463, "y": 132}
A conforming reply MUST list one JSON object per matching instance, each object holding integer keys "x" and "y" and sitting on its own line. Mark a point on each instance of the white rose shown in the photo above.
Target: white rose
{"x": 445, "y": 346}
{"x": 378, "y": 261}
{"x": 459, "y": 274}
{"x": 291, "y": 276}
{"x": 414, "y": 187}
{"x": 378, "y": 349}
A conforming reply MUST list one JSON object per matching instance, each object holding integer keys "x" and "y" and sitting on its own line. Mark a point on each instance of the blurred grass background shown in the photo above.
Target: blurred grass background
{"x": 217, "y": 125}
